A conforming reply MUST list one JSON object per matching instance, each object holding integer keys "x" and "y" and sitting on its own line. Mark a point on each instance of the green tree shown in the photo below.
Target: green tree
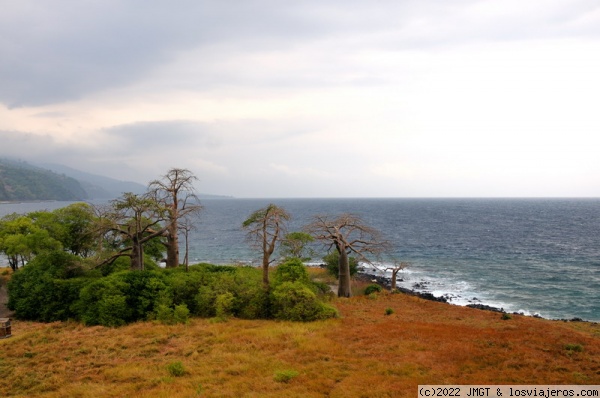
{"x": 72, "y": 225}
{"x": 21, "y": 240}
{"x": 296, "y": 244}
{"x": 264, "y": 228}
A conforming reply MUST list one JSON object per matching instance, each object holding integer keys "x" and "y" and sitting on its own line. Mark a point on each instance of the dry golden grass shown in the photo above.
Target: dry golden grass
{"x": 365, "y": 353}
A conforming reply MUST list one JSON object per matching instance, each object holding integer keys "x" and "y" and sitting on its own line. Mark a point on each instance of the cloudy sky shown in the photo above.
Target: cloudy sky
{"x": 315, "y": 98}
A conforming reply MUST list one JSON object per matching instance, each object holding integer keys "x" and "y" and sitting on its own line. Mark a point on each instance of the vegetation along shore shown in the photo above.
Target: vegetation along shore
{"x": 94, "y": 315}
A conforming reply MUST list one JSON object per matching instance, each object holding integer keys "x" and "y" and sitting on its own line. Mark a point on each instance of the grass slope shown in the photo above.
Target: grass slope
{"x": 365, "y": 353}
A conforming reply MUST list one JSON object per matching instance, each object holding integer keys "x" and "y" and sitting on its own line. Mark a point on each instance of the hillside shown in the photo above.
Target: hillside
{"x": 96, "y": 186}
{"x": 364, "y": 353}
{"x": 20, "y": 181}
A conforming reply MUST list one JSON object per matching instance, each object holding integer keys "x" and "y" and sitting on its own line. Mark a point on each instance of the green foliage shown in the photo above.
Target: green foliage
{"x": 284, "y": 376}
{"x": 46, "y": 289}
{"x": 172, "y": 316}
{"x": 506, "y": 317}
{"x": 120, "y": 264}
{"x": 389, "y": 311}
{"x": 574, "y": 347}
{"x": 249, "y": 299}
{"x": 295, "y": 244}
{"x": 294, "y": 301}
{"x": 181, "y": 314}
{"x": 331, "y": 261}
{"x": 292, "y": 270}
{"x": 21, "y": 239}
{"x": 372, "y": 288}
{"x": 224, "y": 305}
{"x": 104, "y": 302}
{"x": 123, "y": 297}
{"x": 176, "y": 369}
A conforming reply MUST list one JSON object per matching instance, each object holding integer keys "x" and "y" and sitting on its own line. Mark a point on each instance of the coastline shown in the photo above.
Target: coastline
{"x": 386, "y": 283}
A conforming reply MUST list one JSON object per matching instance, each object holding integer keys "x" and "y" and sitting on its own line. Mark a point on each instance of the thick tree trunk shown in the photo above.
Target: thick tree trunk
{"x": 344, "y": 275}
{"x": 172, "y": 248}
{"x": 137, "y": 255}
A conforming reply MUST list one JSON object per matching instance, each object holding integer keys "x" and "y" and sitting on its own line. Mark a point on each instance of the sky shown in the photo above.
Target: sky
{"x": 314, "y": 98}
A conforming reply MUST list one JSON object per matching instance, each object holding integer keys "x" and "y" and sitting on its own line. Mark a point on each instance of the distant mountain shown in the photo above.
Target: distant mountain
{"x": 21, "y": 181}
{"x": 96, "y": 186}
{"x": 100, "y": 187}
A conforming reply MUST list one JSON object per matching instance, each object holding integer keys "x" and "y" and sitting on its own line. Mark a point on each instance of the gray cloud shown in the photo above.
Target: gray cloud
{"x": 66, "y": 49}
{"x": 162, "y": 135}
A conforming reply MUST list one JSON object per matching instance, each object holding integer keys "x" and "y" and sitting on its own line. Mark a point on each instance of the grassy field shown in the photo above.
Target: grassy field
{"x": 383, "y": 346}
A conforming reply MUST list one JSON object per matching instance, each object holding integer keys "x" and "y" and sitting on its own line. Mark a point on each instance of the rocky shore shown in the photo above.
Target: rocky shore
{"x": 387, "y": 284}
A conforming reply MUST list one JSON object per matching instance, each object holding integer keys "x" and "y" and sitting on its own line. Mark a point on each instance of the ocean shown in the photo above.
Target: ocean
{"x": 534, "y": 256}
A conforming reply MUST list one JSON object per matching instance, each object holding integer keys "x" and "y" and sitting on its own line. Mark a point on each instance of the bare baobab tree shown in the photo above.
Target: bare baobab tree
{"x": 175, "y": 190}
{"x": 265, "y": 227}
{"x": 130, "y": 222}
{"x": 395, "y": 269}
{"x": 348, "y": 234}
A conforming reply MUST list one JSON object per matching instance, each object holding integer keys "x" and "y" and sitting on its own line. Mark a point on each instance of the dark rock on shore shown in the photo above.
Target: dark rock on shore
{"x": 486, "y": 307}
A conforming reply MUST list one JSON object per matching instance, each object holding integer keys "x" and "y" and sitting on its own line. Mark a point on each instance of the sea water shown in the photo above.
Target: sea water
{"x": 535, "y": 256}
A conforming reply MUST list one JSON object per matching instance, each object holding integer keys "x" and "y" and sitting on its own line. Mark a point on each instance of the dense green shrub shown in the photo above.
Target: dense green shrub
{"x": 46, "y": 289}
{"x": 292, "y": 270}
{"x": 104, "y": 302}
{"x": 372, "y": 288}
{"x": 294, "y": 301}
{"x": 224, "y": 305}
{"x": 181, "y": 314}
{"x": 123, "y": 297}
{"x": 184, "y": 286}
{"x": 171, "y": 316}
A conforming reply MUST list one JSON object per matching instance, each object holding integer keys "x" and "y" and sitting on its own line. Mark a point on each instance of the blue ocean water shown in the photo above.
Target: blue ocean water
{"x": 536, "y": 256}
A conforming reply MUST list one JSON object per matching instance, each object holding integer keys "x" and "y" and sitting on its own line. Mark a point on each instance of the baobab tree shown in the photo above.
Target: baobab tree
{"x": 348, "y": 234}
{"x": 129, "y": 222}
{"x": 264, "y": 228}
{"x": 395, "y": 269}
{"x": 176, "y": 192}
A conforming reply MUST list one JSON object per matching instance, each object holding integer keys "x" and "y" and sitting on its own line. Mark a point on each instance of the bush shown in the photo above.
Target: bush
{"x": 47, "y": 288}
{"x": 292, "y": 270}
{"x": 574, "y": 347}
{"x": 250, "y": 301}
{"x": 294, "y": 301}
{"x": 373, "y": 288}
{"x": 124, "y": 297}
{"x": 181, "y": 314}
{"x": 389, "y": 311}
{"x": 284, "y": 376}
{"x": 224, "y": 305}
{"x": 170, "y": 316}
{"x": 103, "y": 302}
{"x": 176, "y": 369}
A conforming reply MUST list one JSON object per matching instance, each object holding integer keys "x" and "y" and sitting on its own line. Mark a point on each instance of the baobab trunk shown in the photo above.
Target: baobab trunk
{"x": 344, "y": 275}
{"x": 172, "y": 248}
{"x": 137, "y": 255}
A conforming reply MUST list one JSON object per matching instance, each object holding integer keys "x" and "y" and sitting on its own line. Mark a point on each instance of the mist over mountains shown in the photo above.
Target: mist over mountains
{"x": 28, "y": 181}
{"x": 24, "y": 181}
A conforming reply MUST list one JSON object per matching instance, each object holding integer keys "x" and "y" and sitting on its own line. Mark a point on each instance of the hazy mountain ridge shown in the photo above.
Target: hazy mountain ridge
{"x": 68, "y": 183}
{"x": 97, "y": 186}
{"x": 21, "y": 181}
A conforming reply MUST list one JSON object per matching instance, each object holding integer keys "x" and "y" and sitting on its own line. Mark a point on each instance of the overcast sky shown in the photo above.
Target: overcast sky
{"x": 317, "y": 98}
